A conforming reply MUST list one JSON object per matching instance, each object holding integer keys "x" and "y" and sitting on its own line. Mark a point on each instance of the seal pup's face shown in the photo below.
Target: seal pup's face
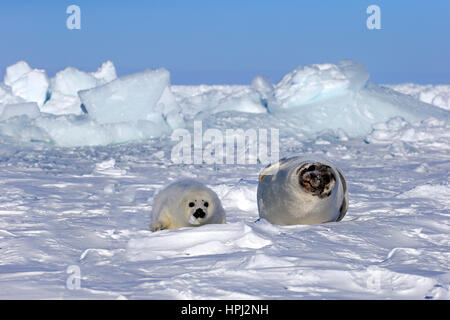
{"x": 316, "y": 179}
{"x": 197, "y": 207}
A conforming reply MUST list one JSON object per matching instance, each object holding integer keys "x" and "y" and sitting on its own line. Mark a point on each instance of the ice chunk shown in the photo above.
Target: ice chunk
{"x": 64, "y": 91}
{"x": 171, "y": 110}
{"x": 263, "y": 85}
{"x": 66, "y": 84}
{"x": 70, "y": 80}
{"x": 72, "y": 131}
{"x": 338, "y": 97}
{"x": 265, "y": 89}
{"x": 32, "y": 86}
{"x": 16, "y": 71}
{"x": 205, "y": 99}
{"x": 318, "y": 82}
{"x": 247, "y": 100}
{"x": 335, "y": 98}
{"x": 399, "y": 130}
{"x": 439, "y": 95}
{"x": 7, "y": 97}
{"x": 60, "y": 103}
{"x": 29, "y": 84}
{"x": 22, "y": 129}
{"x": 29, "y": 109}
{"x": 131, "y": 100}
{"x": 125, "y": 99}
{"x": 108, "y": 167}
{"x": 355, "y": 73}
{"x": 105, "y": 73}
{"x": 75, "y": 131}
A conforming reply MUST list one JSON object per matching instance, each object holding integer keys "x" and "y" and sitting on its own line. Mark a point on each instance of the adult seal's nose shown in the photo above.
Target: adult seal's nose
{"x": 199, "y": 213}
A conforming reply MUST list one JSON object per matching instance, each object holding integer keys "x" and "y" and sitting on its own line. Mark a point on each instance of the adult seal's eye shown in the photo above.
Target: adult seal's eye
{"x": 191, "y": 204}
{"x": 206, "y": 204}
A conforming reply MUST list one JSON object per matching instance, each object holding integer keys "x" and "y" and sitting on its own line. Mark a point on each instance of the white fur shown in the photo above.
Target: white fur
{"x": 282, "y": 201}
{"x": 171, "y": 208}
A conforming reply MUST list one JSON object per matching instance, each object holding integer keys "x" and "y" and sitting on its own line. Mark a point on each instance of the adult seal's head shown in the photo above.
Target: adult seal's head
{"x": 186, "y": 203}
{"x": 302, "y": 191}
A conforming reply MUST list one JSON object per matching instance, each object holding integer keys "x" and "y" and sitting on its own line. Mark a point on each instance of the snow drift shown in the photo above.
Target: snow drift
{"x": 77, "y": 108}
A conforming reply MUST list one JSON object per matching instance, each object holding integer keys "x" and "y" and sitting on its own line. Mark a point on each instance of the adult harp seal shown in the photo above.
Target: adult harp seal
{"x": 298, "y": 190}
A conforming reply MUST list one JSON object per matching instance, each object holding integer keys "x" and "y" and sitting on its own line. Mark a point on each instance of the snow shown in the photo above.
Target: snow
{"x": 439, "y": 193}
{"x": 78, "y": 189}
{"x": 212, "y": 240}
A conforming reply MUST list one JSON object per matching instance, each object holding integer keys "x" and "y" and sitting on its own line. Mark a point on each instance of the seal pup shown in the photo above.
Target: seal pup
{"x": 186, "y": 203}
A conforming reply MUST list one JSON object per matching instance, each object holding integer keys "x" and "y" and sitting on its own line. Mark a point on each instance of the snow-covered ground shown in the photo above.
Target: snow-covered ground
{"x": 78, "y": 188}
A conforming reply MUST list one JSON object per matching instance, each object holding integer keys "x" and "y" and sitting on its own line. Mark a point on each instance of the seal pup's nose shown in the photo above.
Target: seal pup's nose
{"x": 199, "y": 213}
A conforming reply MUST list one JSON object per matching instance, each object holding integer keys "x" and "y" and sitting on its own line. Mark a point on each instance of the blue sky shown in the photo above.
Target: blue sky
{"x": 230, "y": 42}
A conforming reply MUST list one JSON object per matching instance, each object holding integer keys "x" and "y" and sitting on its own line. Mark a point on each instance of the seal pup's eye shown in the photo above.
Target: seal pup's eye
{"x": 191, "y": 204}
{"x": 206, "y": 204}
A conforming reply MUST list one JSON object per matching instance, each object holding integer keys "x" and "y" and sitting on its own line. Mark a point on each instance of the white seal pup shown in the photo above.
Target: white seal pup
{"x": 302, "y": 191}
{"x": 186, "y": 203}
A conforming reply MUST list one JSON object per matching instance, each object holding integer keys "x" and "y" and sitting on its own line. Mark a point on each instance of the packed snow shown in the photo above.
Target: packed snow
{"x": 83, "y": 154}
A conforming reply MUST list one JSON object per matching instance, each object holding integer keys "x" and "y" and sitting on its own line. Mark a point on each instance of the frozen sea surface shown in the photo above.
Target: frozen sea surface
{"x": 91, "y": 208}
{"x": 88, "y": 209}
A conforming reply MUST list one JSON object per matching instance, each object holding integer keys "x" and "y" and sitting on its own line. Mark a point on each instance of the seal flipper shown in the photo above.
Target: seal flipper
{"x": 344, "y": 205}
{"x": 162, "y": 224}
{"x": 156, "y": 226}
